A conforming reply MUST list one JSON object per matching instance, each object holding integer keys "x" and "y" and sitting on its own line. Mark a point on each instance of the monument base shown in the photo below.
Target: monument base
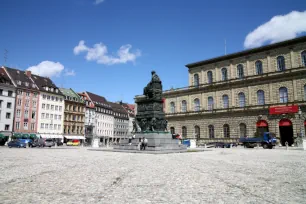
{"x": 157, "y": 141}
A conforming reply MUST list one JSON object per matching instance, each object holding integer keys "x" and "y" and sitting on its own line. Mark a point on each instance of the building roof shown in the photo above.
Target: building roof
{"x": 99, "y": 100}
{"x": 119, "y": 111}
{"x": 21, "y": 79}
{"x": 4, "y": 78}
{"x": 70, "y": 95}
{"x": 248, "y": 52}
{"x": 129, "y": 108}
{"x": 43, "y": 82}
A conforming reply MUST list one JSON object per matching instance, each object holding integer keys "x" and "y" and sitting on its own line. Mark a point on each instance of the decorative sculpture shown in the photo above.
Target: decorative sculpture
{"x": 150, "y": 115}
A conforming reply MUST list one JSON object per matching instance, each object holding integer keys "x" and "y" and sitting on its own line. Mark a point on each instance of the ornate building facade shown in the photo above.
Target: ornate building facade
{"x": 74, "y": 115}
{"x": 243, "y": 94}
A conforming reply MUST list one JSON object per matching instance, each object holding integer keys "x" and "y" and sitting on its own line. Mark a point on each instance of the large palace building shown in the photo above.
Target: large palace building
{"x": 243, "y": 94}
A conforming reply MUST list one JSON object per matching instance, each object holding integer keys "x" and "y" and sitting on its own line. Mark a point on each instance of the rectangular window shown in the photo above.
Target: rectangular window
{"x": 48, "y": 97}
{"x": 56, "y": 98}
{"x": 35, "y": 94}
{"x": 51, "y": 116}
{"x": 9, "y": 105}
{"x": 60, "y": 108}
{"x": 43, "y": 106}
{"x": 52, "y": 98}
{"x": 27, "y": 103}
{"x": 46, "y": 126}
{"x": 47, "y": 115}
{"x": 7, "y": 127}
{"x": 42, "y": 116}
{"x": 59, "y": 117}
{"x": 51, "y": 126}
{"x": 55, "y": 117}
{"x": 1, "y": 92}
{"x": 19, "y": 102}
{"x": 42, "y": 125}
{"x": 26, "y": 114}
{"x": 25, "y": 126}
{"x": 52, "y": 107}
{"x": 17, "y": 125}
{"x": 34, "y": 104}
{"x": 33, "y": 114}
{"x": 18, "y": 113}
{"x": 44, "y": 96}
{"x": 59, "y": 127}
{"x": 55, "y": 126}
{"x": 10, "y": 93}
{"x": 48, "y": 107}
{"x": 19, "y": 92}
{"x": 27, "y": 93}
{"x": 56, "y": 108}
{"x": 8, "y": 115}
{"x": 32, "y": 126}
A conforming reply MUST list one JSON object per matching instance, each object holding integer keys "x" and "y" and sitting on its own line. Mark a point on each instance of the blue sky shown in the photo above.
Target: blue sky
{"x": 67, "y": 39}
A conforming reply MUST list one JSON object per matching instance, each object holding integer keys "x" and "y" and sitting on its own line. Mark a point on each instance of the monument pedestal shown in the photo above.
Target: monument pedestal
{"x": 157, "y": 141}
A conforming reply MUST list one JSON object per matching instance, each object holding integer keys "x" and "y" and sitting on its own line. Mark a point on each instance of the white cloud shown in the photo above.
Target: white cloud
{"x": 69, "y": 72}
{"x": 50, "y": 69}
{"x": 100, "y": 54}
{"x": 279, "y": 28}
{"x": 98, "y": 1}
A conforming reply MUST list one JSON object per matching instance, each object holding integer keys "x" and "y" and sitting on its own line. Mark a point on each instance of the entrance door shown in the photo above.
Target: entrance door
{"x": 286, "y": 132}
{"x": 262, "y": 126}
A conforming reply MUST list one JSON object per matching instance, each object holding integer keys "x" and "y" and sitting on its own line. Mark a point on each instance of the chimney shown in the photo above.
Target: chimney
{"x": 28, "y": 73}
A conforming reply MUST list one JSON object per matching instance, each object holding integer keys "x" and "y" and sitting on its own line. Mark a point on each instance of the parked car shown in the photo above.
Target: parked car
{"x": 16, "y": 143}
{"x": 37, "y": 143}
{"x": 49, "y": 143}
{"x": 73, "y": 143}
{"x": 59, "y": 143}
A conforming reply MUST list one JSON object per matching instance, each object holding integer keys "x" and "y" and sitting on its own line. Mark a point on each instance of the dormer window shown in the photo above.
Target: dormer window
{"x": 56, "y": 90}
{"x": 33, "y": 85}
{"x": 52, "y": 89}
{"x": 26, "y": 83}
{"x": 47, "y": 88}
{"x": 19, "y": 82}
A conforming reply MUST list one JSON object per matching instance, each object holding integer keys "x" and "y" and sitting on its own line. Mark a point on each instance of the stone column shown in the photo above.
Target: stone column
{"x": 292, "y": 65}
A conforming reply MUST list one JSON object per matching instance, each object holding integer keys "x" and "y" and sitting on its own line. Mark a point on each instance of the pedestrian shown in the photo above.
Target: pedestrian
{"x": 145, "y": 143}
{"x": 141, "y": 143}
{"x": 130, "y": 140}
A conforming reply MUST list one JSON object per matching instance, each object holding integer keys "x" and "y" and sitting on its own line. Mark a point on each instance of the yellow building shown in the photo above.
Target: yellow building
{"x": 243, "y": 94}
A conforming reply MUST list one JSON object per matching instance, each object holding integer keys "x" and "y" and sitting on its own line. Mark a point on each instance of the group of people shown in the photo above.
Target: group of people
{"x": 143, "y": 142}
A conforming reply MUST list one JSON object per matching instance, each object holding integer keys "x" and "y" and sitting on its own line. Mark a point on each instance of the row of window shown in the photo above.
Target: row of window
{"x": 105, "y": 132}
{"x": 50, "y": 126}
{"x": 119, "y": 133}
{"x": 25, "y": 126}
{"x": 27, "y": 93}
{"x": 52, "y": 98}
{"x": 27, "y": 103}
{"x": 9, "y": 93}
{"x": 73, "y": 129}
{"x": 105, "y": 125}
{"x": 51, "y": 107}
{"x": 26, "y": 114}
{"x": 281, "y": 66}
{"x": 27, "y": 84}
{"x": 50, "y": 116}
{"x": 211, "y": 131}
{"x": 74, "y": 108}
{"x": 74, "y": 117}
{"x": 8, "y": 104}
{"x": 283, "y": 98}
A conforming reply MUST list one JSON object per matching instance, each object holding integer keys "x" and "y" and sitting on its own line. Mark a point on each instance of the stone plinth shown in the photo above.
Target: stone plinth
{"x": 157, "y": 141}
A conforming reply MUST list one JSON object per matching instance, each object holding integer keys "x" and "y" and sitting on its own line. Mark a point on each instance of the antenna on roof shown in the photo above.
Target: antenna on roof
{"x": 5, "y": 56}
{"x": 224, "y": 46}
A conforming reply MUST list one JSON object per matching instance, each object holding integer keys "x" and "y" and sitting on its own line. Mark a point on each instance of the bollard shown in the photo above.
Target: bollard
{"x": 286, "y": 143}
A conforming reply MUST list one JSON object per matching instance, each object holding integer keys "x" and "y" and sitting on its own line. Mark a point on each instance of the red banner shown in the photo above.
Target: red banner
{"x": 283, "y": 109}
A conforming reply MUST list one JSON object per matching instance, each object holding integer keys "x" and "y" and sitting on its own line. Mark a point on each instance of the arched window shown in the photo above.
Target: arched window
{"x": 184, "y": 132}
{"x": 241, "y": 98}
{"x": 196, "y": 104}
{"x": 172, "y": 107}
{"x": 260, "y": 97}
{"x": 211, "y": 131}
{"x": 209, "y": 77}
{"x": 197, "y": 132}
{"x": 224, "y": 74}
{"x": 240, "y": 72}
{"x": 242, "y": 130}
{"x": 281, "y": 66}
{"x": 184, "y": 106}
{"x": 225, "y": 101}
{"x": 196, "y": 80}
{"x": 210, "y": 103}
{"x": 303, "y": 55}
{"x": 172, "y": 130}
{"x": 283, "y": 95}
{"x": 258, "y": 65}
{"x": 226, "y": 131}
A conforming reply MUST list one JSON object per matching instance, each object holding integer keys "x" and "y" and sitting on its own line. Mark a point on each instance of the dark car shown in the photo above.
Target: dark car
{"x": 37, "y": 143}
{"x": 49, "y": 143}
{"x": 16, "y": 143}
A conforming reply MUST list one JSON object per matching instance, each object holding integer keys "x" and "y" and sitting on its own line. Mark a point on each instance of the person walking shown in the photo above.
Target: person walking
{"x": 145, "y": 143}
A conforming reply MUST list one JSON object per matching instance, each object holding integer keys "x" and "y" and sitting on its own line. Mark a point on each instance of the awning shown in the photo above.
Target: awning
{"x": 72, "y": 137}
{"x": 51, "y": 136}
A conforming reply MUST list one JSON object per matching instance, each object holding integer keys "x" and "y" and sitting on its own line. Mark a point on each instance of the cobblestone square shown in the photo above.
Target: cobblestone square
{"x": 76, "y": 175}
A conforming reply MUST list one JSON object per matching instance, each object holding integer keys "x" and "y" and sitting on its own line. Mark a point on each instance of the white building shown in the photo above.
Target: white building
{"x": 7, "y": 102}
{"x": 51, "y": 109}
